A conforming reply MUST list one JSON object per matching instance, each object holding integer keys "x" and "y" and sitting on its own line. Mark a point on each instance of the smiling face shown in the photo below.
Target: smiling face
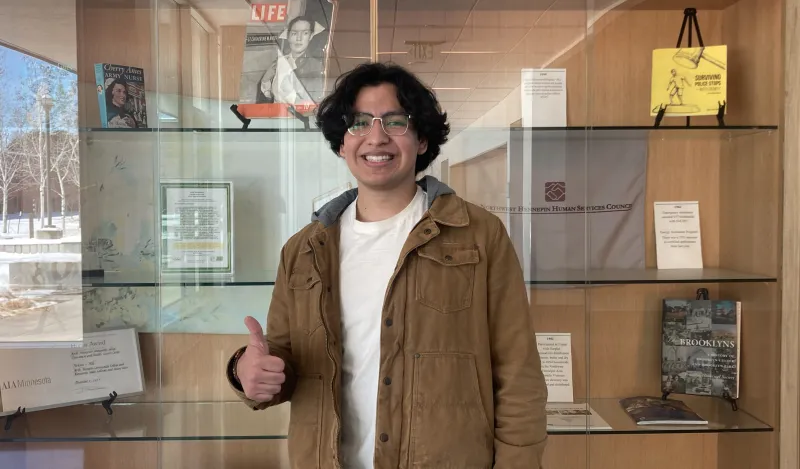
{"x": 381, "y": 161}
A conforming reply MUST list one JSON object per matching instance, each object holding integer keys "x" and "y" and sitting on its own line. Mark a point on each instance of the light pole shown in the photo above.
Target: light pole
{"x": 47, "y": 104}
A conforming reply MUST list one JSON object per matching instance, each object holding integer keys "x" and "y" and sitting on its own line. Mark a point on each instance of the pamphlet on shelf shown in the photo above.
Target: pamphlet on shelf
{"x": 555, "y": 352}
{"x": 544, "y": 97}
{"x": 568, "y": 416}
{"x": 108, "y": 363}
{"x": 646, "y": 410}
{"x": 197, "y": 227}
{"x": 563, "y": 414}
{"x": 677, "y": 232}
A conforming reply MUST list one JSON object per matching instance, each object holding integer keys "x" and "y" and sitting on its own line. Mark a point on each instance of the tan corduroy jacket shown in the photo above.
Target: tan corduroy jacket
{"x": 460, "y": 379}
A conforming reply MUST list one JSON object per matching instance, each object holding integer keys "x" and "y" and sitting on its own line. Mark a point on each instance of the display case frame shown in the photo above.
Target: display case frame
{"x": 745, "y": 174}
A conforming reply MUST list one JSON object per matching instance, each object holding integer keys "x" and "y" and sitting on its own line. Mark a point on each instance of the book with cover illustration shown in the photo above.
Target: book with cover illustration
{"x": 646, "y": 410}
{"x": 700, "y": 347}
{"x": 121, "y": 96}
{"x": 689, "y": 81}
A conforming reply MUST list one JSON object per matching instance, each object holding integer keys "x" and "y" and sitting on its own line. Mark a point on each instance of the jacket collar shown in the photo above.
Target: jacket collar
{"x": 443, "y": 206}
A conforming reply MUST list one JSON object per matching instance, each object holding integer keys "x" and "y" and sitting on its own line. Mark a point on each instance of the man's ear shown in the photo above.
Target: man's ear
{"x": 341, "y": 151}
{"x": 423, "y": 147}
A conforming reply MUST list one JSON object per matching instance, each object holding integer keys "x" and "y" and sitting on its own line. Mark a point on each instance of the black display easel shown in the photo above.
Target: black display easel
{"x": 690, "y": 17}
{"x": 702, "y": 294}
{"x": 10, "y": 418}
{"x": 107, "y": 403}
{"x": 246, "y": 122}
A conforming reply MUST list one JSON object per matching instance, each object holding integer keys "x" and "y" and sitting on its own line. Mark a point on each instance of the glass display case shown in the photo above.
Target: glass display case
{"x": 553, "y": 130}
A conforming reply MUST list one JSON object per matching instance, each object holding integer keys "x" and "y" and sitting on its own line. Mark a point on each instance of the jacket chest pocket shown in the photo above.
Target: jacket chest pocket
{"x": 306, "y": 287}
{"x": 445, "y": 276}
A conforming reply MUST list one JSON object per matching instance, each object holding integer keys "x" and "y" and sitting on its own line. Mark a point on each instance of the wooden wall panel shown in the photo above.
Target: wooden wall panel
{"x": 790, "y": 269}
{"x": 131, "y": 21}
{"x": 231, "y": 55}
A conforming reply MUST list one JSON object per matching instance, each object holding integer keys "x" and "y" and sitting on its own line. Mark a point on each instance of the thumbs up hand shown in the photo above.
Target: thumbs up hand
{"x": 260, "y": 374}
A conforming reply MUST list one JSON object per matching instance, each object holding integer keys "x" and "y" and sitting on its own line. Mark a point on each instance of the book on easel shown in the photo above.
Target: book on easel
{"x": 107, "y": 365}
{"x": 700, "y": 346}
{"x": 690, "y": 80}
{"x": 285, "y": 60}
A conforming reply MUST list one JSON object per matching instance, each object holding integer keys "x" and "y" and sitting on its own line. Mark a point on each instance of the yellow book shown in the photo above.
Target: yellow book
{"x": 689, "y": 81}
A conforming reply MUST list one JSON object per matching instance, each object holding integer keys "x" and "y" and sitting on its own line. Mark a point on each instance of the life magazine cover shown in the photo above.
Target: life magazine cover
{"x": 285, "y": 57}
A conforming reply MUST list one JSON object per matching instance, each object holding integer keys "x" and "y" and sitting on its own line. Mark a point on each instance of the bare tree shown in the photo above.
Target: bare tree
{"x": 10, "y": 157}
{"x": 64, "y": 163}
{"x": 64, "y": 154}
{"x": 41, "y": 78}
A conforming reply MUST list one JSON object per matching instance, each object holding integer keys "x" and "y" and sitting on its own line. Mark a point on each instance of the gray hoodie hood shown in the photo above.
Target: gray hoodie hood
{"x": 331, "y": 211}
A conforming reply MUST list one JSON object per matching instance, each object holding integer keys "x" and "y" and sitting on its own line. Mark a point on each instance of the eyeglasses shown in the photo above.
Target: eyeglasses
{"x": 393, "y": 124}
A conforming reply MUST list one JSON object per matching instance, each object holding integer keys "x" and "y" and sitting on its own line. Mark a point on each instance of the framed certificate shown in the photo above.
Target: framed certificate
{"x": 197, "y": 227}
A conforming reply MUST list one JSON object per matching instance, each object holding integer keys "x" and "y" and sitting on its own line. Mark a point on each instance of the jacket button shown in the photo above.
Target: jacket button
{"x": 389, "y": 322}
{"x": 448, "y": 258}
{"x": 387, "y": 381}
{"x": 384, "y": 437}
{"x": 427, "y": 231}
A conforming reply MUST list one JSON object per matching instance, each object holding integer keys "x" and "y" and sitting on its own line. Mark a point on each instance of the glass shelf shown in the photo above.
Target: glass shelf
{"x": 642, "y": 132}
{"x": 116, "y": 280}
{"x": 644, "y": 276}
{"x": 616, "y": 132}
{"x": 235, "y": 421}
{"x": 718, "y": 412}
{"x": 150, "y": 421}
{"x": 562, "y": 277}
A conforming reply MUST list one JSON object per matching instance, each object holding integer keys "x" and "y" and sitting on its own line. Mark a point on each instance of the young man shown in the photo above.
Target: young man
{"x": 399, "y": 325}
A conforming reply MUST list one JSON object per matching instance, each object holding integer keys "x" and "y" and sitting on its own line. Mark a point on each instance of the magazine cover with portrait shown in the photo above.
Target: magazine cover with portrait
{"x": 121, "y": 96}
{"x": 285, "y": 57}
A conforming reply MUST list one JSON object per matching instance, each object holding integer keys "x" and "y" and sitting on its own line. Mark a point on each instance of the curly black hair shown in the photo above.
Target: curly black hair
{"x": 336, "y": 110}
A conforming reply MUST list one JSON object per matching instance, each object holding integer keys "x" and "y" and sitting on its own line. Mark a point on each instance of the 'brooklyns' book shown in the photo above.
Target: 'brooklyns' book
{"x": 700, "y": 347}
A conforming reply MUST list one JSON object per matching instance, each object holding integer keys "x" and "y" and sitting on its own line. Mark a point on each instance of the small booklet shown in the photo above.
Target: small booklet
{"x": 568, "y": 416}
{"x": 656, "y": 411}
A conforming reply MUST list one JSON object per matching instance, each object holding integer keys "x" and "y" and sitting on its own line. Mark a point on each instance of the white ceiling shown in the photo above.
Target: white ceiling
{"x": 481, "y": 45}
{"x": 44, "y": 28}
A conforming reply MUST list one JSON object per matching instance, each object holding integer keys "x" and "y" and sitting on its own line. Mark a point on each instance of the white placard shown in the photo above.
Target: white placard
{"x": 197, "y": 233}
{"x": 677, "y": 231}
{"x": 544, "y": 97}
{"x": 37, "y": 379}
{"x": 555, "y": 351}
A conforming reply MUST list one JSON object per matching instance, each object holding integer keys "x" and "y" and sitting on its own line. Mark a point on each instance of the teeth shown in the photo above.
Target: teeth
{"x": 377, "y": 158}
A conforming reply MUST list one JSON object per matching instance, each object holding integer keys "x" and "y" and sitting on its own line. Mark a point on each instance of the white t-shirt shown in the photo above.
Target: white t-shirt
{"x": 368, "y": 256}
